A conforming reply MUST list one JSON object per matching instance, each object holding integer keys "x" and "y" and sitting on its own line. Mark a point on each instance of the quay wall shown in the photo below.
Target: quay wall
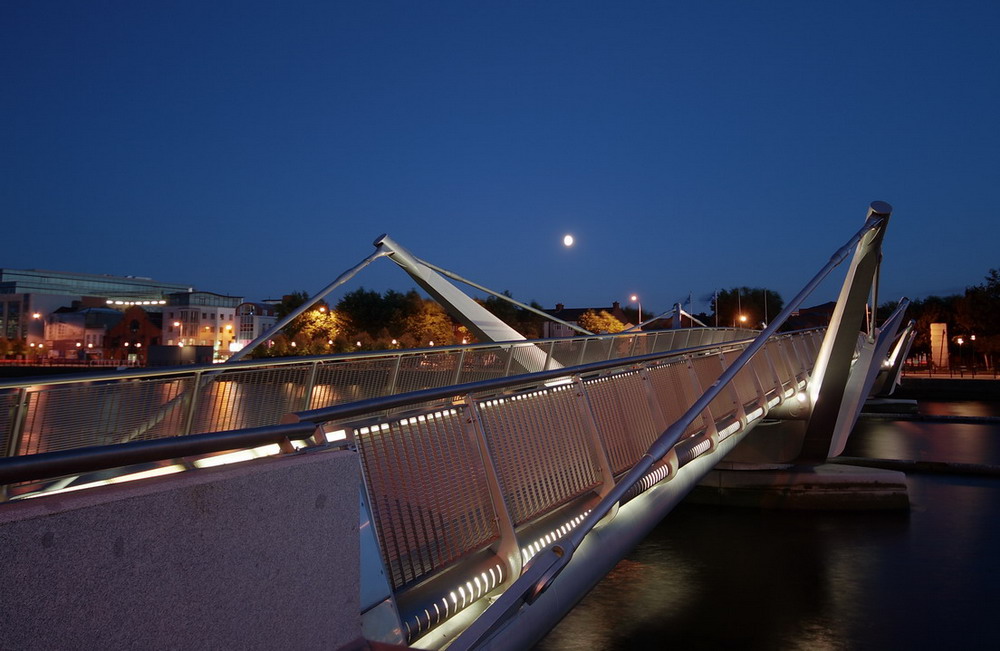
{"x": 915, "y": 387}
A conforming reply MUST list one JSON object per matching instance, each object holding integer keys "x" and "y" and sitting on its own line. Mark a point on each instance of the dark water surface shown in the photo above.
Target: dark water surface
{"x": 716, "y": 577}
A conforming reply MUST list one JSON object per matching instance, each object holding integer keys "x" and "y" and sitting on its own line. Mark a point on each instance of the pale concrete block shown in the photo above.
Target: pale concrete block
{"x": 259, "y": 555}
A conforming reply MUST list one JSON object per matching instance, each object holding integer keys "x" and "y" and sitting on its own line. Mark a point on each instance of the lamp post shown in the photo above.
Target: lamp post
{"x": 635, "y": 299}
{"x": 180, "y": 339}
{"x": 972, "y": 345}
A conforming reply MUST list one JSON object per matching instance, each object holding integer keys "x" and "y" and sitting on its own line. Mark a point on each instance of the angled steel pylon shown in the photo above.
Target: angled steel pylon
{"x": 839, "y": 384}
{"x": 480, "y": 321}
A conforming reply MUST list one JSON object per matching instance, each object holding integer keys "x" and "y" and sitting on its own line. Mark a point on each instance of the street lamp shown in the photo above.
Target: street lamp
{"x": 635, "y": 299}
{"x": 180, "y": 338}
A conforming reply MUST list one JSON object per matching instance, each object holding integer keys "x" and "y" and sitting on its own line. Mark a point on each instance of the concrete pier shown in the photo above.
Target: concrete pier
{"x": 824, "y": 486}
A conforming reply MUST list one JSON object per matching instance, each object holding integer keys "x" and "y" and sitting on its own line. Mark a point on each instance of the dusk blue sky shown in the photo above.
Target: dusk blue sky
{"x": 255, "y": 148}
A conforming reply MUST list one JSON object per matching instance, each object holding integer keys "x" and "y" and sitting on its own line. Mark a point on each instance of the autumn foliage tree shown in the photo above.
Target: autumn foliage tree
{"x": 600, "y": 322}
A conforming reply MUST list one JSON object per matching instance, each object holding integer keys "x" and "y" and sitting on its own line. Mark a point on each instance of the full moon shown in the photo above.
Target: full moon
{"x": 568, "y": 240}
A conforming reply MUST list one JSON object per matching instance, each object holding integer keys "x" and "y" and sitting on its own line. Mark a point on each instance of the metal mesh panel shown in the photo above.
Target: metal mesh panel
{"x": 539, "y": 446}
{"x": 746, "y": 389}
{"x": 249, "y": 398}
{"x": 426, "y": 371}
{"x": 664, "y": 341}
{"x": 61, "y": 417}
{"x": 777, "y": 353}
{"x": 708, "y": 370}
{"x": 763, "y": 370}
{"x": 796, "y": 355}
{"x": 428, "y": 493}
{"x": 8, "y": 411}
{"x": 566, "y": 352}
{"x": 621, "y": 411}
{"x": 483, "y": 364}
{"x": 337, "y": 383}
{"x": 596, "y": 349}
{"x": 675, "y": 393}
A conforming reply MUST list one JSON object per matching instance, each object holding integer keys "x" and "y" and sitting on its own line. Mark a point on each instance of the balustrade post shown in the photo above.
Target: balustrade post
{"x": 458, "y": 367}
{"x": 310, "y": 384}
{"x": 510, "y": 360}
{"x": 394, "y": 377}
{"x": 508, "y": 547}
{"x": 583, "y": 349}
{"x": 17, "y": 423}
{"x": 778, "y": 386}
{"x": 597, "y": 447}
{"x": 192, "y": 404}
{"x": 654, "y": 402}
{"x": 711, "y": 431}
{"x": 741, "y": 413}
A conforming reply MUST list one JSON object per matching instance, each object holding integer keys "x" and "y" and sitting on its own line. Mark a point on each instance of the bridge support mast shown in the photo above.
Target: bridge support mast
{"x": 834, "y": 405}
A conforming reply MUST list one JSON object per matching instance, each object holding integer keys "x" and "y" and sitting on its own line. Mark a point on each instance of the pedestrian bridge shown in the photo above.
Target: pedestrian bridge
{"x": 499, "y": 482}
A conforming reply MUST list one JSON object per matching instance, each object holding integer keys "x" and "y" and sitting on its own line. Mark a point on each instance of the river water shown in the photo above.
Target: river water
{"x": 729, "y": 578}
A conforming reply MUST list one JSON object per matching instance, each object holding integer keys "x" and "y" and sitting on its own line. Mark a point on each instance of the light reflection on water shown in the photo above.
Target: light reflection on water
{"x": 718, "y": 578}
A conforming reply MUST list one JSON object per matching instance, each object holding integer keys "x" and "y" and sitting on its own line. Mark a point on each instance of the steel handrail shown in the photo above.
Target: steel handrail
{"x": 298, "y": 425}
{"x": 133, "y": 374}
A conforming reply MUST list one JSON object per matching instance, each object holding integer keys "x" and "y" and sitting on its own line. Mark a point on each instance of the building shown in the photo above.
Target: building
{"x": 78, "y": 333}
{"x": 130, "y": 339}
{"x": 202, "y": 319}
{"x": 254, "y": 320}
{"x": 551, "y": 329}
{"x": 29, "y": 296}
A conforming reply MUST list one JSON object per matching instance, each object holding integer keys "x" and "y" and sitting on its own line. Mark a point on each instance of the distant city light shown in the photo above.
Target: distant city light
{"x": 568, "y": 240}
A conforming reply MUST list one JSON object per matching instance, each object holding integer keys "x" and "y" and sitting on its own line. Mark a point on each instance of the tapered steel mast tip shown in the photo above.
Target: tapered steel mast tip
{"x": 378, "y": 240}
{"x": 879, "y": 208}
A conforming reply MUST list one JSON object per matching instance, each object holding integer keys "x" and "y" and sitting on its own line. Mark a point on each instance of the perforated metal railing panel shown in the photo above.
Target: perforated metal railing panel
{"x": 746, "y": 388}
{"x": 538, "y": 443}
{"x": 142, "y": 405}
{"x": 776, "y": 351}
{"x": 623, "y": 417}
{"x": 428, "y": 492}
{"x": 425, "y": 371}
{"x": 675, "y": 392}
{"x": 336, "y": 383}
{"x": 708, "y": 369}
{"x": 109, "y": 412}
{"x": 249, "y": 398}
{"x": 8, "y": 412}
{"x": 483, "y": 364}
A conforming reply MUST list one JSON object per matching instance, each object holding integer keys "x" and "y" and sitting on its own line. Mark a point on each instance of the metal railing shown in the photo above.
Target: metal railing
{"x": 465, "y": 491}
{"x": 66, "y": 412}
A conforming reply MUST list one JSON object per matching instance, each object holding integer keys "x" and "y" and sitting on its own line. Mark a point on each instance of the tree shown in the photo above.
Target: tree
{"x": 729, "y": 305}
{"x": 600, "y": 322}
{"x": 431, "y": 324}
{"x": 524, "y": 321}
{"x": 370, "y": 312}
